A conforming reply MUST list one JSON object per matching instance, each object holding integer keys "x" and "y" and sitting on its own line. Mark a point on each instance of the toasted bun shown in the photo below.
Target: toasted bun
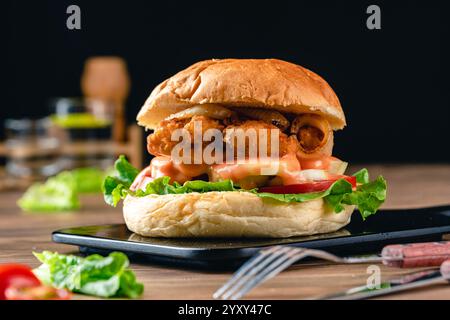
{"x": 263, "y": 83}
{"x": 228, "y": 214}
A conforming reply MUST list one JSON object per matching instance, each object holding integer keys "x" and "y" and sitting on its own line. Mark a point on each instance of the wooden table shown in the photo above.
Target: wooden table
{"x": 409, "y": 185}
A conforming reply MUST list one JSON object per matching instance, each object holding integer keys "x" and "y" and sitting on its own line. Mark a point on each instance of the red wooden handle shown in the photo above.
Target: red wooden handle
{"x": 416, "y": 254}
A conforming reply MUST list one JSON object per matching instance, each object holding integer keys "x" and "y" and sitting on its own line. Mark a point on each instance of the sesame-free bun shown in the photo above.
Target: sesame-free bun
{"x": 228, "y": 214}
{"x": 263, "y": 83}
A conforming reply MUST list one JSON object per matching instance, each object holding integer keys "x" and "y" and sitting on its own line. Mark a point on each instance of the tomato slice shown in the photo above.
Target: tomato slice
{"x": 18, "y": 282}
{"x": 16, "y": 275}
{"x": 310, "y": 186}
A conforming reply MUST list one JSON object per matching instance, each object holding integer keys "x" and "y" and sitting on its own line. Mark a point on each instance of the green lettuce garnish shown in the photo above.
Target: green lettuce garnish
{"x": 60, "y": 193}
{"x": 51, "y": 196}
{"x": 117, "y": 187}
{"x": 368, "y": 196}
{"x": 94, "y": 275}
{"x": 85, "y": 180}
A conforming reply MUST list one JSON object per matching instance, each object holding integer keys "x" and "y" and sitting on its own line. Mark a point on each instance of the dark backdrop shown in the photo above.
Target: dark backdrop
{"x": 391, "y": 82}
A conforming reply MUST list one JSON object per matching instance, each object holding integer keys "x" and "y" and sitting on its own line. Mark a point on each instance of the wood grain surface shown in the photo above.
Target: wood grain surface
{"x": 409, "y": 186}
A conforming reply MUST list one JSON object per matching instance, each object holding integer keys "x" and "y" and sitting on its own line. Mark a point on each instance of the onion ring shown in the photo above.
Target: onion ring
{"x": 314, "y": 134}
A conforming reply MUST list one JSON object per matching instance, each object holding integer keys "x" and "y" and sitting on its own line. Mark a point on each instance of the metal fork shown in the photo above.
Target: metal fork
{"x": 268, "y": 263}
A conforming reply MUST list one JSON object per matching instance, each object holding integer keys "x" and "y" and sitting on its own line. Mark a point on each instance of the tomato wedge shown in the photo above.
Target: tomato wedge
{"x": 306, "y": 187}
{"x": 18, "y": 282}
{"x": 16, "y": 275}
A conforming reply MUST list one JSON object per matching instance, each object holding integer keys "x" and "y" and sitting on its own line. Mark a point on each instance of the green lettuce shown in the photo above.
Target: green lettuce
{"x": 368, "y": 196}
{"x": 94, "y": 275}
{"x": 60, "y": 193}
{"x": 52, "y": 196}
{"x": 84, "y": 180}
{"x": 117, "y": 187}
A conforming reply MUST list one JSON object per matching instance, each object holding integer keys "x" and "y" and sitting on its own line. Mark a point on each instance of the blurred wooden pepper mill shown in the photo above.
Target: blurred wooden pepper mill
{"x": 106, "y": 78}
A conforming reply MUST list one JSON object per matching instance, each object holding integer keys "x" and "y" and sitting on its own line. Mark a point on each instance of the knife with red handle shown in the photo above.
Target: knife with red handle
{"x": 407, "y": 282}
{"x": 414, "y": 255}
{"x": 426, "y": 254}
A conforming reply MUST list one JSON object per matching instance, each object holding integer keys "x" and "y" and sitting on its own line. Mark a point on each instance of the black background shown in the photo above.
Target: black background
{"x": 392, "y": 82}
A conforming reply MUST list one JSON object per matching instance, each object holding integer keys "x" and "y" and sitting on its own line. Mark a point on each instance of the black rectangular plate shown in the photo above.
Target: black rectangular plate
{"x": 386, "y": 227}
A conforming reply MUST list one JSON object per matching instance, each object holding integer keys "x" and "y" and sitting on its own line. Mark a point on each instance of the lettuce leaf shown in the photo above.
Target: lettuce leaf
{"x": 368, "y": 196}
{"x": 51, "y": 196}
{"x": 126, "y": 172}
{"x": 94, "y": 275}
{"x": 204, "y": 186}
{"x": 117, "y": 187}
{"x": 362, "y": 176}
{"x": 85, "y": 180}
{"x": 60, "y": 193}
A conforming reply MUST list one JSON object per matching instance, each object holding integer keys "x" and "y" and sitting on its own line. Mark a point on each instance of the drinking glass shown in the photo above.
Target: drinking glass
{"x": 32, "y": 148}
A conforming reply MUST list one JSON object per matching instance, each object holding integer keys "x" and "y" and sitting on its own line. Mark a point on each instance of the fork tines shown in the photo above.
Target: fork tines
{"x": 263, "y": 266}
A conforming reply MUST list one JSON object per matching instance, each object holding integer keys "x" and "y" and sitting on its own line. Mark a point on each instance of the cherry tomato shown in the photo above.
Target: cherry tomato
{"x": 310, "y": 186}
{"x": 16, "y": 275}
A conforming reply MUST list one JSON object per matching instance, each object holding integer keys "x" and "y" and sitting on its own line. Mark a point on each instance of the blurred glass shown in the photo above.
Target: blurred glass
{"x": 85, "y": 128}
{"x": 32, "y": 149}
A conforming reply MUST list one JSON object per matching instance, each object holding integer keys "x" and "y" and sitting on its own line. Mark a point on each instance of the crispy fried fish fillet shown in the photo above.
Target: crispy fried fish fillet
{"x": 286, "y": 144}
{"x": 160, "y": 142}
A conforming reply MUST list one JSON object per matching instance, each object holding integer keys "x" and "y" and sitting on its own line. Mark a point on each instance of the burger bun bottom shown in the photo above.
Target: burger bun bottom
{"x": 229, "y": 214}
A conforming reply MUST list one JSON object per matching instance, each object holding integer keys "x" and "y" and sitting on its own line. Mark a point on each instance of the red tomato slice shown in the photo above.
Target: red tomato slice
{"x": 311, "y": 186}
{"x": 16, "y": 275}
{"x": 18, "y": 282}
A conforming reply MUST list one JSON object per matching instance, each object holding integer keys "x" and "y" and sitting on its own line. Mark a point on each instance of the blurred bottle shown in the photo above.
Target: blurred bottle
{"x": 106, "y": 78}
{"x": 32, "y": 149}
